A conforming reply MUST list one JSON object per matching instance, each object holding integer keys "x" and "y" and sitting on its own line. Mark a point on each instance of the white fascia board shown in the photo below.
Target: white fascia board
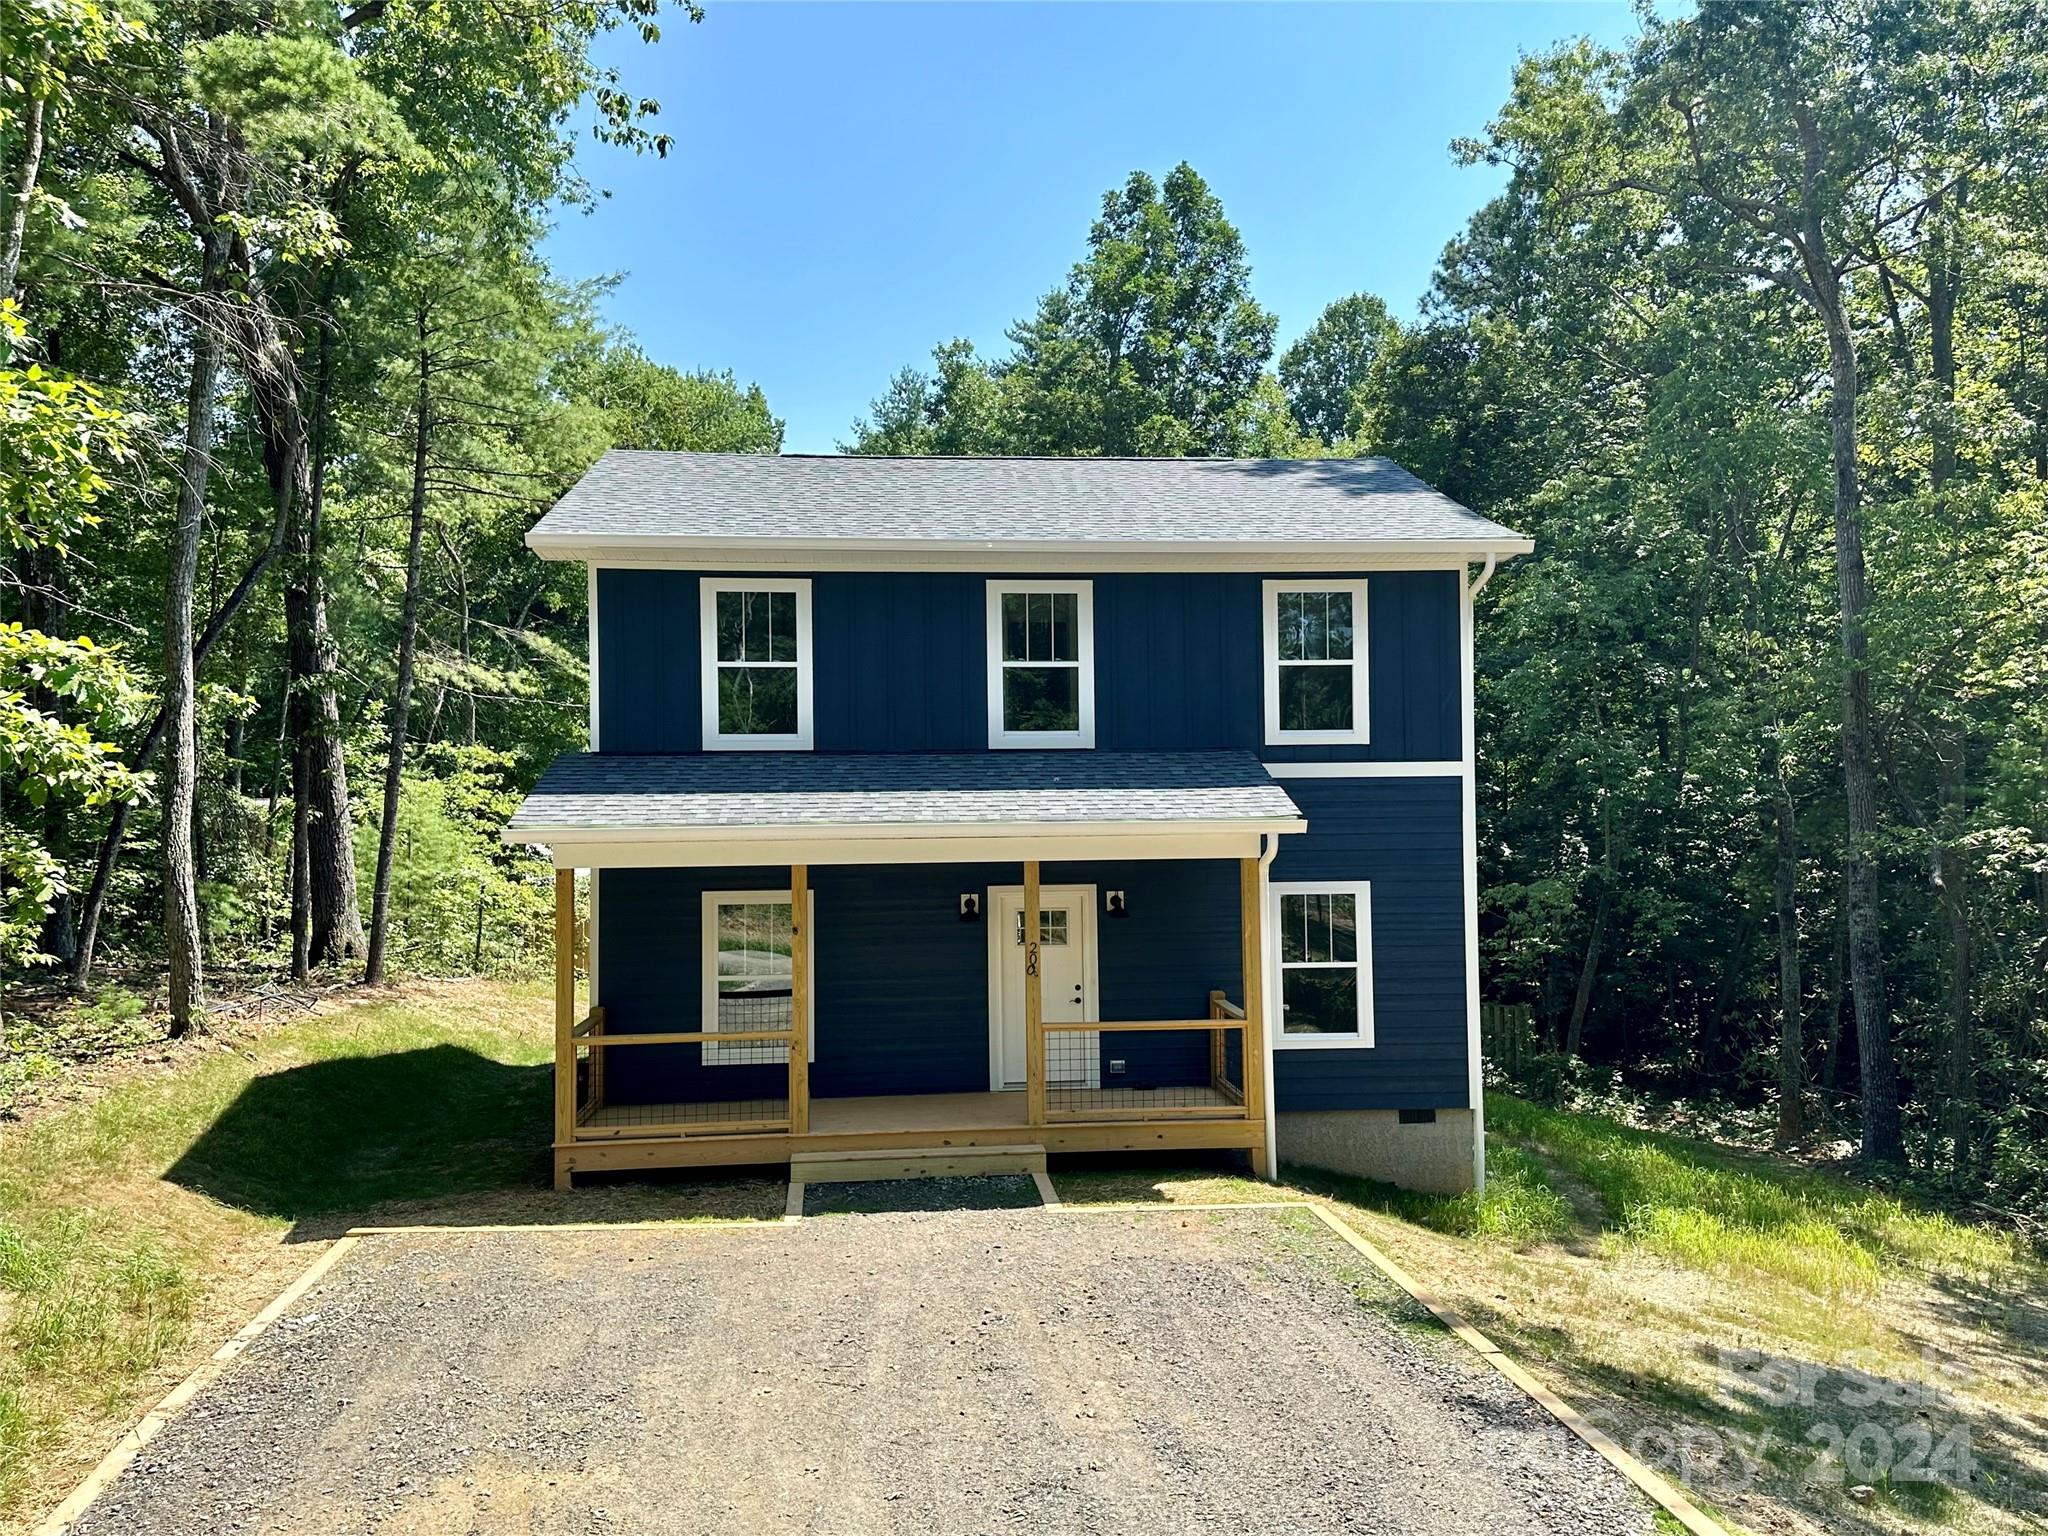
{"x": 1030, "y": 556}
{"x": 591, "y": 848}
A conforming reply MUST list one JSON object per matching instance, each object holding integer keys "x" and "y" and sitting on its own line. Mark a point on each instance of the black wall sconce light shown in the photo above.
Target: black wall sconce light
{"x": 1113, "y": 904}
{"x": 970, "y": 907}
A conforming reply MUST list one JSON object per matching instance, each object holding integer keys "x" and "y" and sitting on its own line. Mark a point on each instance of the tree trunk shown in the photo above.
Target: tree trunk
{"x": 1951, "y": 882}
{"x": 1582, "y": 1001}
{"x": 1791, "y": 1049}
{"x": 461, "y": 574}
{"x": 183, "y": 958}
{"x": 302, "y": 888}
{"x": 408, "y": 630}
{"x": 1838, "y": 967}
{"x": 320, "y": 777}
{"x": 43, "y": 608}
{"x": 1882, "y": 1141}
{"x": 1732, "y": 974}
{"x": 24, "y": 189}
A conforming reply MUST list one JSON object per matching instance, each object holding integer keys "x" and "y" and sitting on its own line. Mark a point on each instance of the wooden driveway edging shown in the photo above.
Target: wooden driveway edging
{"x": 1654, "y": 1486}
{"x": 1659, "y": 1489}
{"x": 146, "y": 1429}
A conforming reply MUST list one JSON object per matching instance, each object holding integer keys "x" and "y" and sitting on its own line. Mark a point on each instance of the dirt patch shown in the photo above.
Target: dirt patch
{"x": 968, "y": 1371}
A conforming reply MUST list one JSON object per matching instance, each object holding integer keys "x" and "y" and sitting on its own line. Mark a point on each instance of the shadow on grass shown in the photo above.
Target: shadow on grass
{"x": 436, "y": 1135}
{"x": 344, "y": 1135}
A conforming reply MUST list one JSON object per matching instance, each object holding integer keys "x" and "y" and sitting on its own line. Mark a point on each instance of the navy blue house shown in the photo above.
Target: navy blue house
{"x": 976, "y": 808}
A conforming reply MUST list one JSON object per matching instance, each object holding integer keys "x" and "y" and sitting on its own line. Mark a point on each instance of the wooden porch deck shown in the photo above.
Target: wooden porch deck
{"x": 629, "y": 1137}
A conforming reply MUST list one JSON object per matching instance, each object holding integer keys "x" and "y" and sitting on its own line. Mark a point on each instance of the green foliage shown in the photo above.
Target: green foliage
{"x": 646, "y": 404}
{"x": 462, "y": 902}
{"x": 1153, "y": 347}
{"x": 297, "y": 97}
{"x": 48, "y": 760}
{"x": 1327, "y": 373}
{"x": 59, "y": 441}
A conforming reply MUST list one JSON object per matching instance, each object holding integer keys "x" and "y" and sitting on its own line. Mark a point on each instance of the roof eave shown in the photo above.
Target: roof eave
{"x": 689, "y": 550}
{"x": 895, "y": 831}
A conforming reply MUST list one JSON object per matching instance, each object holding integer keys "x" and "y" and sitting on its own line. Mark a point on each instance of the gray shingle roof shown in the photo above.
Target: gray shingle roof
{"x": 725, "y": 791}
{"x": 716, "y": 499}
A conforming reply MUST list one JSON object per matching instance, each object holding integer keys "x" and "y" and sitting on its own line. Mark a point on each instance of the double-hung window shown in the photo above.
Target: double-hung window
{"x": 748, "y": 974}
{"x": 756, "y": 674}
{"x": 1041, "y": 664}
{"x": 1325, "y": 957}
{"x": 1315, "y": 663}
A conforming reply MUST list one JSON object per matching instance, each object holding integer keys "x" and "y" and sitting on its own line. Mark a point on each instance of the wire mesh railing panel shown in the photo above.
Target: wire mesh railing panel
{"x": 1139, "y": 1071}
{"x": 702, "y": 1115}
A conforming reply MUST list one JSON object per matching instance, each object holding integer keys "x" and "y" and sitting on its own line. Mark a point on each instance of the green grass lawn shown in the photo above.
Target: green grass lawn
{"x": 143, "y": 1225}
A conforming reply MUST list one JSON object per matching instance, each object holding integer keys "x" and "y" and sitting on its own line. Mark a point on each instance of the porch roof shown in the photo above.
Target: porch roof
{"x": 596, "y": 810}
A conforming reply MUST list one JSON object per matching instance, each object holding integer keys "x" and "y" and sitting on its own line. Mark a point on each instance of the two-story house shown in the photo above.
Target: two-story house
{"x": 984, "y": 807}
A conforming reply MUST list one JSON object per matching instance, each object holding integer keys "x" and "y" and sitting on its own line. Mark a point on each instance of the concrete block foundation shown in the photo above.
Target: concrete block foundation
{"x": 1434, "y": 1157}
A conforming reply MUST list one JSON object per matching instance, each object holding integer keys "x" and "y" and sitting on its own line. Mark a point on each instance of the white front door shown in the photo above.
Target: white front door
{"x": 1066, "y": 970}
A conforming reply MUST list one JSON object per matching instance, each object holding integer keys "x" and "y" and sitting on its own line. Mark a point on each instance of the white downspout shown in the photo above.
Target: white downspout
{"x": 1475, "y": 1084}
{"x": 1485, "y": 575}
{"x": 1267, "y": 1006}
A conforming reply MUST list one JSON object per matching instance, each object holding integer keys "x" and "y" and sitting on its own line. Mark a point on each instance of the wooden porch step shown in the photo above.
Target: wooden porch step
{"x": 915, "y": 1163}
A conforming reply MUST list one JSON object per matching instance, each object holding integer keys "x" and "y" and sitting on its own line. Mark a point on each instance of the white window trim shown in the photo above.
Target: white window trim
{"x": 1084, "y": 616}
{"x": 708, "y": 664}
{"x": 1282, "y": 1041}
{"x": 1360, "y": 665}
{"x": 707, "y": 945}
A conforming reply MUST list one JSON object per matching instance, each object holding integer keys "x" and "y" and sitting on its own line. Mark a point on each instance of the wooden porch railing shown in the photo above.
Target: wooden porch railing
{"x": 1220, "y": 1099}
{"x": 1221, "y": 1007}
{"x": 1242, "y": 1099}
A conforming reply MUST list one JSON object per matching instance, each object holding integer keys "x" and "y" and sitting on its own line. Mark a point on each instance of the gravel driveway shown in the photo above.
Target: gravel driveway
{"x": 938, "y": 1374}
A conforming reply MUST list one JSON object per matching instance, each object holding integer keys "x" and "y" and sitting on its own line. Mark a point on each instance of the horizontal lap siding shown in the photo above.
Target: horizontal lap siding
{"x": 902, "y": 661}
{"x": 1405, "y": 836}
{"x": 1177, "y": 941}
{"x": 902, "y": 983}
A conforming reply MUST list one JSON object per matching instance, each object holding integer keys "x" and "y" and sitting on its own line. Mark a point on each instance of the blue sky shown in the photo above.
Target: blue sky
{"x": 855, "y": 183}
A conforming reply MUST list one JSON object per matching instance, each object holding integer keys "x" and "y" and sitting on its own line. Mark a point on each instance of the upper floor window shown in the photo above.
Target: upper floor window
{"x": 756, "y": 662}
{"x": 1315, "y": 662}
{"x": 1041, "y": 664}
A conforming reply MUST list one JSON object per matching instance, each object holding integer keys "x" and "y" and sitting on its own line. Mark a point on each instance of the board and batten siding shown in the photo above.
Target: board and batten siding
{"x": 901, "y": 663}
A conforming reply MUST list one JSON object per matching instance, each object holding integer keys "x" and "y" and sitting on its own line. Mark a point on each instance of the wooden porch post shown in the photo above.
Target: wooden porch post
{"x": 799, "y": 1000}
{"x": 565, "y": 1021}
{"x": 1251, "y": 919}
{"x": 1034, "y": 1013}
